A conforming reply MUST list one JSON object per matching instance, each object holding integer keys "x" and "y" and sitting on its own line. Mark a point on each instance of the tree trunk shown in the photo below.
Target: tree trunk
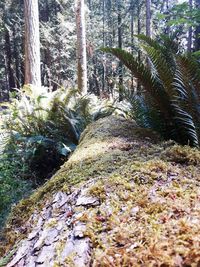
{"x": 9, "y": 68}
{"x": 103, "y": 59}
{"x": 17, "y": 60}
{"x": 32, "y": 43}
{"x": 197, "y": 30}
{"x": 119, "y": 6}
{"x": 148, "y": 24}
{"x": 148, "y": 18}
{"x": 167, "y": 28}
{"x": 189, "y": 42}
{"x": 132, "y": 37}
{"x": 109, "y": 19}
{"x": 81, "y": 46}
{"x": 139, "y": 27}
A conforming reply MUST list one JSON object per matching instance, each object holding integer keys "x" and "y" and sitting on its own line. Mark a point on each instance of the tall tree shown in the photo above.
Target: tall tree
{"x": 32, "y": 43}
{"x": 8, "y": 60}
{"x": 119, "y": 20}
{"x": 148, "y": 18}
{"x": 81, "y": 46}
{"x": 167, "y": 27}
{"x": 139, "y": 29}
{"x": 132, "y": 34}
{"x": 189, "y": 39}
{"x": 197, "y": 30}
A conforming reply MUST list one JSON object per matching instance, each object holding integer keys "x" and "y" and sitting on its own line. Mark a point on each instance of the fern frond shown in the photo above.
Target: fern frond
{"x": 149, "y": 41}
{"x": 171, "y": 89}
{"x": 162, "y": 68}
{"x": 4, "y": 140}
{"x": 150, "y": 82}
{"x": 190, "y": 69}
{"x": 185, "y": 122}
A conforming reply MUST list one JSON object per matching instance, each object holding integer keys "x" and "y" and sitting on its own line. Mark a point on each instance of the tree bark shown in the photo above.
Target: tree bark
{"x": 81, "y": 46}
{"x": 119, "y": 6}
{"x": 190, "y": 32}
{"x": 167, "y": 28}
{"x": 32, "y": 43}
{"x": 148, "y": 24}
{"x": 104, "y": 42}
{"x": 148, "y": 18}
{"x": 132, "y": 37}
{"x": 139, "y": 27}
{"x": 109, "y": 19}
{"x": 9, "y": 67}
{"x": 197, "y": 30}
{"x": 16, "y": 53}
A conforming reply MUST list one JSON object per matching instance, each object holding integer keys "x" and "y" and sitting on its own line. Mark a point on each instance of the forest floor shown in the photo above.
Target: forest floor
{"x": 124, "y": 198}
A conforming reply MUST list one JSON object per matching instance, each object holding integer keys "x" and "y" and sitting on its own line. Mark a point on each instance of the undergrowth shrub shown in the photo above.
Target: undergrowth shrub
{"x": 12, "y": 185}
{"x": 39, "y": 130}
{"x": 45, "y": 127}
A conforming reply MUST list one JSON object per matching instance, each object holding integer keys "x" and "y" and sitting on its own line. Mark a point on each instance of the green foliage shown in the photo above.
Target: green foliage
{"x": 170, "y": 100}
{"x": 182, "y": 13}
{"x": 13, "y": 170}
{"x": 12, "y": 185}
{"x": 40, "y": 129}
{"x": 45, "y": 126}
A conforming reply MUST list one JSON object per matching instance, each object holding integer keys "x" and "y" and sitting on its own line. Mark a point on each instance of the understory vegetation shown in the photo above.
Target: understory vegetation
{"x": 40, "y": 129}
{"x": 100, "y": 133}
{"x": 12, "y": 185}
{"x": 168, "y": 99}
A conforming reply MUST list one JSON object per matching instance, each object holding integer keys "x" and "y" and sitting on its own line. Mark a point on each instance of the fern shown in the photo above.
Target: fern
{"x": 46, "y": 126}
{"x": 171, "y": 95}
{"x": 4, "y": 140}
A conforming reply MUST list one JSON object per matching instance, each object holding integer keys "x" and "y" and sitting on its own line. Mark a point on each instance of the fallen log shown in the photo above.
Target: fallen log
{"x": 124, "y": 198}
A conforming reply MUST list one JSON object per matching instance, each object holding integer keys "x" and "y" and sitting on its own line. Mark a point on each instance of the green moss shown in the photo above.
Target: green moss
{"x": 60, "y": 247}
{"x": 69, "y": 261}
{"x": 5, "y": 260}
{"x": 51, "y": 223}
{"x": 128, "y": 167}
{"x": 182, "y": 154}
{"x": 98, "y": 190}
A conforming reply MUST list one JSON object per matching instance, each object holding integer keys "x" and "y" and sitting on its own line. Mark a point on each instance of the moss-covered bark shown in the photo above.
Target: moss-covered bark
{"x": 124, "y": 198}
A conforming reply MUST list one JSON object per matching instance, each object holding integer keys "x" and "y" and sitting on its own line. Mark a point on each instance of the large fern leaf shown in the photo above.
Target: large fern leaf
{"x": 144, "y": 75}
{"x": 171, "y": 88}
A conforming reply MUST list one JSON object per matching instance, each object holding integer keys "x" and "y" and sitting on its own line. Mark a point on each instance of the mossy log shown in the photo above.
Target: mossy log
{"x": 124, "y": 198}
